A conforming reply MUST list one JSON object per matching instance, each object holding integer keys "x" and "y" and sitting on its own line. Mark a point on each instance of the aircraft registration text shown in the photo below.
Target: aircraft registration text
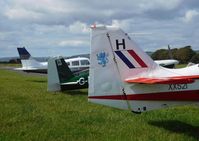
{"x": 178, "y": 87}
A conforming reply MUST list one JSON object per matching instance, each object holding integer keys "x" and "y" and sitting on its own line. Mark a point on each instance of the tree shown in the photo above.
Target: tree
{"x": 15, "y": 61}
{"x": 184, "y": 55}
{"x": 195, "y": 59}
{"x": 160, "y": 54}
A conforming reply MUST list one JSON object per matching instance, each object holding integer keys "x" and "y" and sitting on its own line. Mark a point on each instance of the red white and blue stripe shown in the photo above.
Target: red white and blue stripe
{"x": 131, "y": 59}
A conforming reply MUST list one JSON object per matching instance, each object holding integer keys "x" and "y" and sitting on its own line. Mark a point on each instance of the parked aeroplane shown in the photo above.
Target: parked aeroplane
{"x": 29, "y": 64}
{"x": 123, "y": 76}
{"x": 60, "y": 77}
{"x": 169, "y": 63}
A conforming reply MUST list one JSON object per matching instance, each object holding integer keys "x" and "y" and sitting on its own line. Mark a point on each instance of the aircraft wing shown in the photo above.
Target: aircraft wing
{"x": 69, "y": 83}
{"x": 24, "y": 69}
{"x": 164, "y": 80}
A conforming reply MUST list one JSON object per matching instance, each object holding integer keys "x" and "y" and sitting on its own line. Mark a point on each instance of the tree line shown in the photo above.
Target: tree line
{"x": 184, "y": 55}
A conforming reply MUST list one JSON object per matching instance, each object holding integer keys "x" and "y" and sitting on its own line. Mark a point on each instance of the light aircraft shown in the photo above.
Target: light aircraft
{"x": 29, "y": 64}
{"x": 169, "y": 63}
{"x": 123, "y": 76}
{"x": 60, "y": 77}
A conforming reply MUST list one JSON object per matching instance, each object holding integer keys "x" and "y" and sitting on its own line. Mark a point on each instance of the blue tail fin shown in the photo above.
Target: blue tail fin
{"x": 23, "y": 53}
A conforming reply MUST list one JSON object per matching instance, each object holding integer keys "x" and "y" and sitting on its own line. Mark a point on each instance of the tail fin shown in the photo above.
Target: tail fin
{"x": 23, "y": 53}
{"x": 58, "y": 72}
{"x": 122, "y": 51}
{"x": 27, "y": 60}
{"x": 114, "y": 57}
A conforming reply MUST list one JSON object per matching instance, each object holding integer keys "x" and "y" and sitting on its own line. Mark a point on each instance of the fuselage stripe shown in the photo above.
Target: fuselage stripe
{"x": 189, "y": 95}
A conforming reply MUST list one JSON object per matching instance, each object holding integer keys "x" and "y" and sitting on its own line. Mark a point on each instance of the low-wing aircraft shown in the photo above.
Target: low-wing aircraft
{"x": 169, "y": 63}
{"x": 60, "y": 76}
{"x": 123, "y": 76}
{"x": 29, "y": 64}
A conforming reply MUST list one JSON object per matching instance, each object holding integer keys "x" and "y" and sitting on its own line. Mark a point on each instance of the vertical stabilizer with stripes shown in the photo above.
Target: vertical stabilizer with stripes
{"x": 114, "y": 57}
{"x": 130, "y": 59}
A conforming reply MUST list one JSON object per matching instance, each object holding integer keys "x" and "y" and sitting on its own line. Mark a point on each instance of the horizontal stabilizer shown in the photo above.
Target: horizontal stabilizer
{"x": 164, "y": 80}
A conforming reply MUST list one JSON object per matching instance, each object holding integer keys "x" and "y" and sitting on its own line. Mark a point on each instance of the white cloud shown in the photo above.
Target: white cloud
{"x": 73, "y": 43}
{"x": 78, "y": 27}
{"x": 124, "y": 24}
{"x": 21, "y": 14}
{"x": 158, "y": 4}
{"x": 39, "y": 12}
{"x": 190, "y": 15}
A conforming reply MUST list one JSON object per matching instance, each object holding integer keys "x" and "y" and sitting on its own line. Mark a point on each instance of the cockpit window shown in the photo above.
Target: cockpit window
{"x": 75, "y": 63}
{"x": 84, "y": 62}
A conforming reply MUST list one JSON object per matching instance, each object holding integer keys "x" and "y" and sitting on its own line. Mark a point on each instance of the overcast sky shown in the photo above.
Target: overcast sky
{"x": 61, "y": 27}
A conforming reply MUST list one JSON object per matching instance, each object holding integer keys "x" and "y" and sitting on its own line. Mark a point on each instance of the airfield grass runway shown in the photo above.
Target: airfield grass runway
{"x": 29, "y": 112}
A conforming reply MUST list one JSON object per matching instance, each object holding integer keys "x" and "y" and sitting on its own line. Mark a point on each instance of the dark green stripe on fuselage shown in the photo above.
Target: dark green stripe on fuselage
{"x": 77, "y": 80}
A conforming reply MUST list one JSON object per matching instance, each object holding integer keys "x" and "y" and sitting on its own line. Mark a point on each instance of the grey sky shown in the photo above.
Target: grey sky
{"x": 61, "y": 27}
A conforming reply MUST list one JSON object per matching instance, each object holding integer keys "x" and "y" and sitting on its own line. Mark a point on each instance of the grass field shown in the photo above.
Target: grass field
{"x": 181, "y": 65}
{"x": 9, "y": 65}
{"x": 29, "y": 112}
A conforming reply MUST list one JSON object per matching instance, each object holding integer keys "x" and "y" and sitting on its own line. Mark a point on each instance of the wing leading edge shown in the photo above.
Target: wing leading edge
{"x": 164, "y": 80}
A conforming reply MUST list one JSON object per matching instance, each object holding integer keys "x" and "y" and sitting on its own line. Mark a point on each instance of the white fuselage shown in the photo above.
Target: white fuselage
{"x": 75, "y": 64}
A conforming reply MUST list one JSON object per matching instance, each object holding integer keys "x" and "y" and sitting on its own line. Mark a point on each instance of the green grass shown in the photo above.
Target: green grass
{"x": 181, "y": 65}
{"x": 29, "y": 112}
{"x": 9, "y": 65}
